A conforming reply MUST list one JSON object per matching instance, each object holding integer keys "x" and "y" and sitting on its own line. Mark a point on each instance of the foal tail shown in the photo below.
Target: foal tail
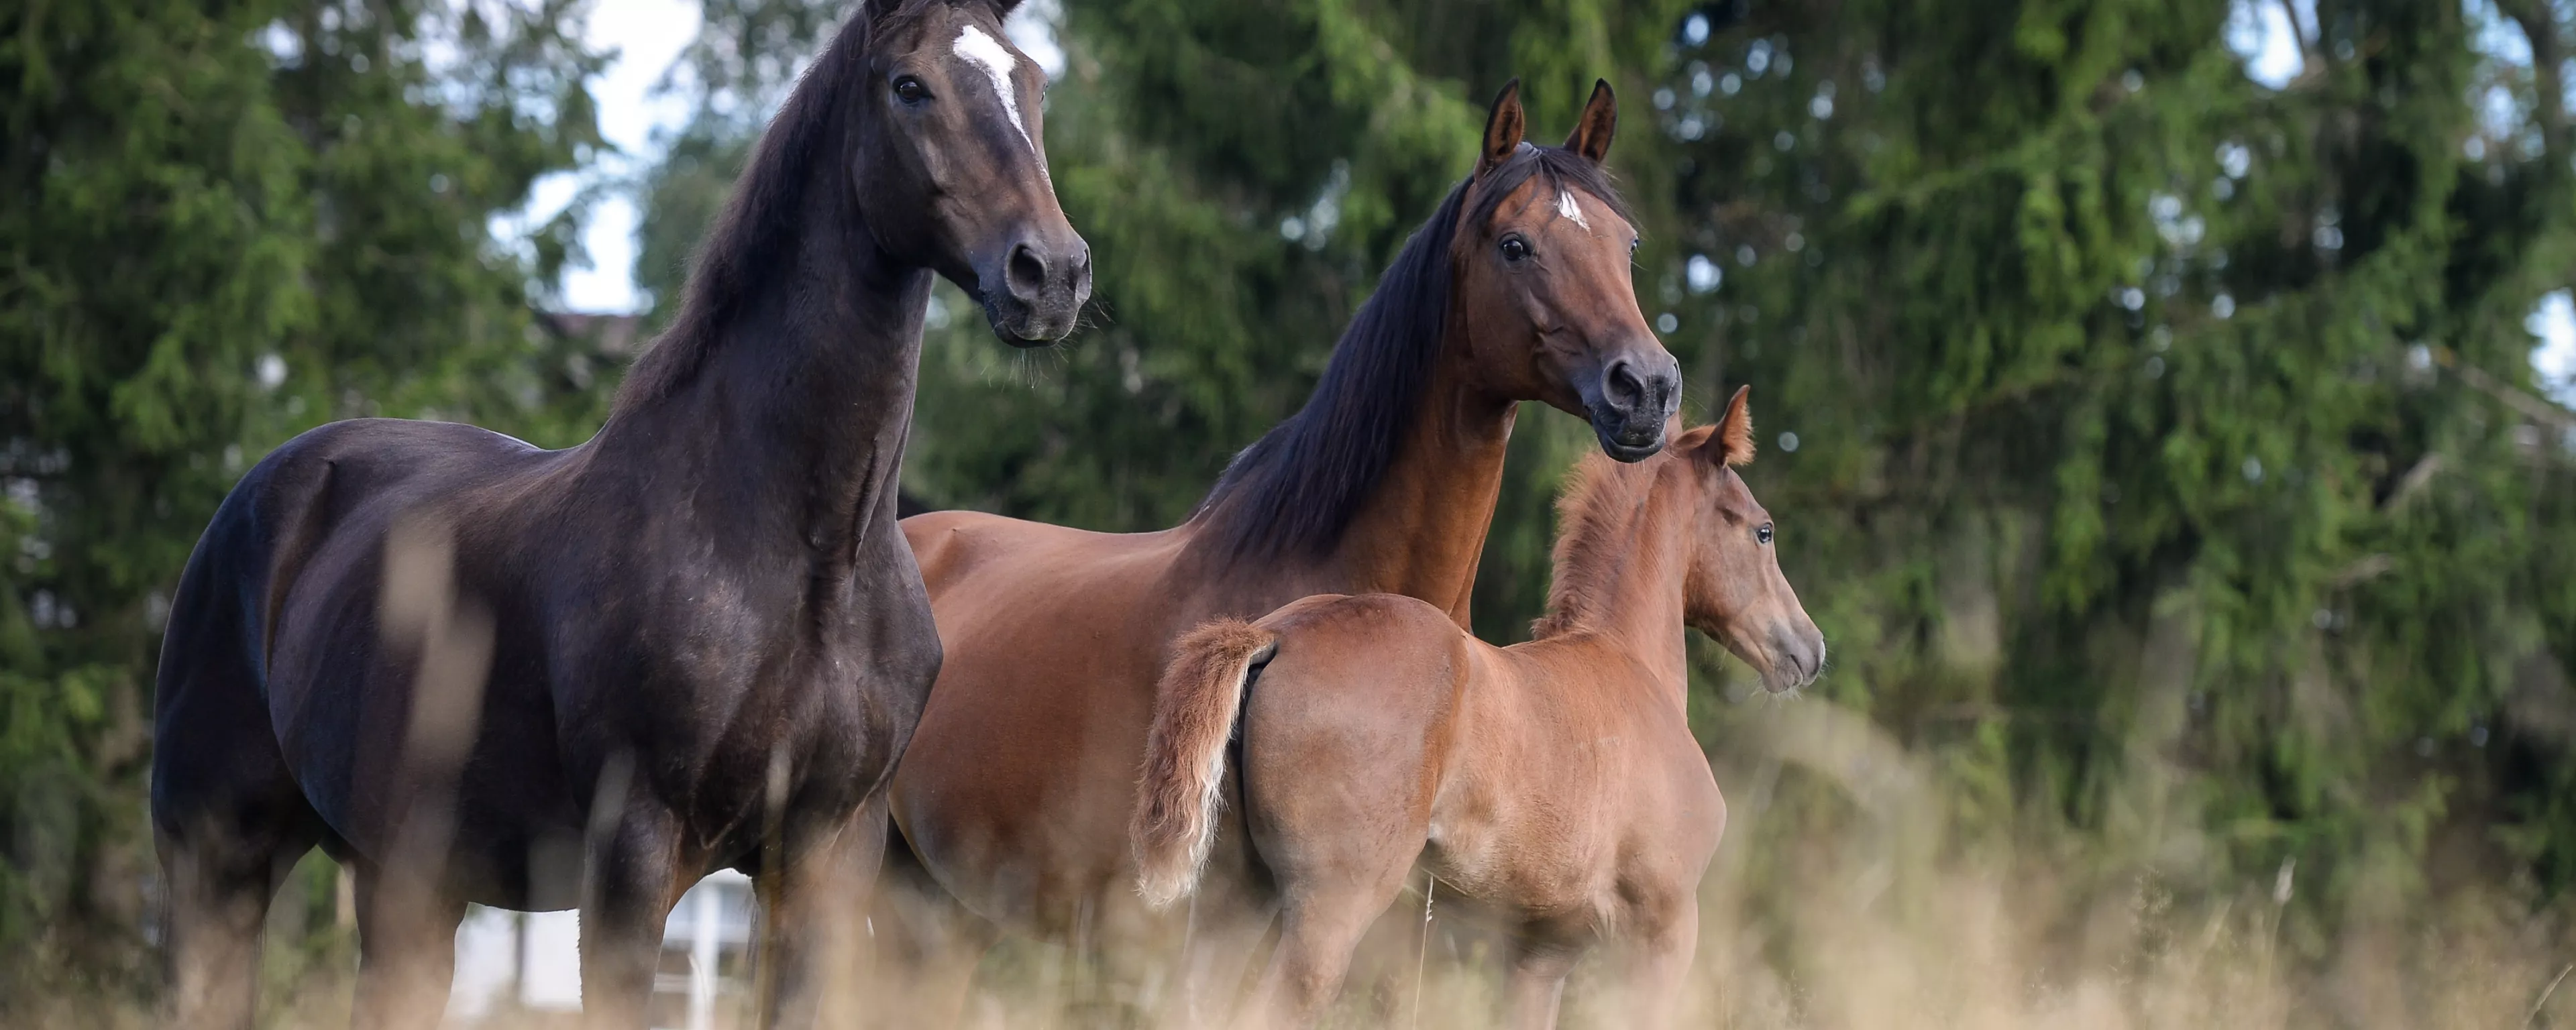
{"x": 1194, "y": 714}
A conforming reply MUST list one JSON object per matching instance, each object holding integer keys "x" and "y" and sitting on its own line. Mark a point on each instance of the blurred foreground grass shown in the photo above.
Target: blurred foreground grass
{"x": 1846, "y": 897}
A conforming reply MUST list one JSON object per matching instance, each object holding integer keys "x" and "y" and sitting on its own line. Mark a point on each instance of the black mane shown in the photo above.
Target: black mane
{"x": 1295, "y": 490}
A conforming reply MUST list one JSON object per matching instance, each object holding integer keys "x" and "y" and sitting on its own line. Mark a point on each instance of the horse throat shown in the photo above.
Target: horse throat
{"x": 794, "y": 418}
{"x": 1422, "y": 531}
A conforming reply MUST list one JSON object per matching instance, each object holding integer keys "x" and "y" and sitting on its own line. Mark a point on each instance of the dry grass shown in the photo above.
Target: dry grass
{"x": 1843, "y": 899}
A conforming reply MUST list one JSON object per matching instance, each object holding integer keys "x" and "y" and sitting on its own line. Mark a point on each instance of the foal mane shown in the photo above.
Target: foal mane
{"x": 754, "y": 239}
{"x": 1295, "y": 490}
{"x": 1598, "y": 524}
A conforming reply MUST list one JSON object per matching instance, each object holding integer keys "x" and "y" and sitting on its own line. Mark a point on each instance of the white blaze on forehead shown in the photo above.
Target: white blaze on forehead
{"x": 1566, "y": 206}
{"x": 989, "y": 54}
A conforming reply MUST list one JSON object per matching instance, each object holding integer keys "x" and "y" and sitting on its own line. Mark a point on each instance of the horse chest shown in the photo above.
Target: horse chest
{"x": 731, "y": 675}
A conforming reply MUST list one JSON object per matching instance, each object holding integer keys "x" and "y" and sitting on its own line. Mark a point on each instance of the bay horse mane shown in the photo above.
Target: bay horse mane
{"x": 1597, "y": 518}
{"x": 753, "y": 239}
{"x": 1294, "y": 491}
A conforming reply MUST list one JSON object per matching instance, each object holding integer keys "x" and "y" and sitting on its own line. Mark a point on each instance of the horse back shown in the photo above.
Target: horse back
{"x": 275, "y": 520}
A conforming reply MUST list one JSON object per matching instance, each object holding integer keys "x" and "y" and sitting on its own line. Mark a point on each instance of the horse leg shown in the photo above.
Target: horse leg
{"x": 228, "y": 819}
{"x": 220, "y": 883}
{"x": 1226, "y": 930}
{"x": 634, "y": 879}
{"x": 927, "y": 943}
{"x": 1536, "y": 985}
{"x": 1661, "y": 964}
{"x": 406, "y": 952}
{"x": 819, "y": 912}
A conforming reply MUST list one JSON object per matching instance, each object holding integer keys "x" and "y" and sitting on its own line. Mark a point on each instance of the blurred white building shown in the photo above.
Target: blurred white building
{"x": 529, "y": 963}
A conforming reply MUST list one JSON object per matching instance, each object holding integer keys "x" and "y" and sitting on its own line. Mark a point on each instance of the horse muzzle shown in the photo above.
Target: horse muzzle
{"x": 1631, "y": 402}
{"x": 1797, "y": 658}
{"x": 1035, "y": 293}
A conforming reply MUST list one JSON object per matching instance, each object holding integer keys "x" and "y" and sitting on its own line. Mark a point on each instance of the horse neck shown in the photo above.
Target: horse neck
{"x": 1423, "y": 529}
{"x": 1619, "y": 574}
{"x": 791, "y": 429}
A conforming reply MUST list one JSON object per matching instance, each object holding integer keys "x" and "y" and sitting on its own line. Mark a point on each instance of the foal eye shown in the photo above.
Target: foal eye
{"x": 1515, "y": 249}
{"x": 910, "y": 90}
{"x": 1763, "y": 533}
{"x": 1632, "y": 245}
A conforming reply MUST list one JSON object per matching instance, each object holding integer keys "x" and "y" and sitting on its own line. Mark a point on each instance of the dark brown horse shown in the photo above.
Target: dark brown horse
{"x": 1015, "y": 794}
{"x": 1554, "y": 783}
{"x": 473, "y": 670}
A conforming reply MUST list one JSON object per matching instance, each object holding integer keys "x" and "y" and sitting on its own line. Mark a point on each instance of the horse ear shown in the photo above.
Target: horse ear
{"x": 877, "y": 11}
{"x": 1735, "y": 430}
{"x": 1600, "y": 122}
{"x": 1503, "y": 127}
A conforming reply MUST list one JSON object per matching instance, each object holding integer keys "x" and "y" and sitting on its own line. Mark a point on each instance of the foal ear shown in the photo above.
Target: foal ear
{"x": 1503, "y": 127}
{"x": 1735, "y": 430}
{"x": 1600, "y": 122}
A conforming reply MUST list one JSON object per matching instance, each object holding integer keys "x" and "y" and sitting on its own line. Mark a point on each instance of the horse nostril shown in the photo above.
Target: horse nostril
{"x": 1620, "y": 382}
{"x": 1027, "y": 272}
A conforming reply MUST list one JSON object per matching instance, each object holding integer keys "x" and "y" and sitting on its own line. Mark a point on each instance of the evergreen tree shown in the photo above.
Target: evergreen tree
{"x": 2156, "y": 446}
{"x": 228, "y": 222}
{"x": 2164, "y": 463}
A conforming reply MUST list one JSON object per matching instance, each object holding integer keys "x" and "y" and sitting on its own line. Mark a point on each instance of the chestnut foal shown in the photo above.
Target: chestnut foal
{"x": 1555, "y": 783}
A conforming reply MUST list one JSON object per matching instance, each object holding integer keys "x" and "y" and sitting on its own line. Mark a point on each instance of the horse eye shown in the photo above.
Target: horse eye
{"x": 1763, "y": 534}
{"x": 1632, "y": 245}
{"x": 1515, "y": 248}
{"x": 910, "y": 90}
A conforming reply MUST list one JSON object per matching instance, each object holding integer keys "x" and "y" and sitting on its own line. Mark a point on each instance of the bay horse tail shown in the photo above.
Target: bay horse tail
{"x": 1195, "y": 710}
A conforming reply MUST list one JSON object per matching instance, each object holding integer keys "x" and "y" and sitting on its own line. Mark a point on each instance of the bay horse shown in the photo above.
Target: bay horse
{"x": 1013, "y": 798}
{"x": 477, "y": 671}
{"x": 1554, "y": 783}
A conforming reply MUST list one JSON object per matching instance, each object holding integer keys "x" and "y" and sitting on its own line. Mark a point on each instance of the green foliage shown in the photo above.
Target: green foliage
{"x": 229, "y": 223}
{"x": 2128, "y": 426}
{"x": 2164, "y": 470}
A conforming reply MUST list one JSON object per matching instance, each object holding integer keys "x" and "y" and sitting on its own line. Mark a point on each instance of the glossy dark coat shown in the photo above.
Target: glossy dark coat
{"x": 475, "y": 670}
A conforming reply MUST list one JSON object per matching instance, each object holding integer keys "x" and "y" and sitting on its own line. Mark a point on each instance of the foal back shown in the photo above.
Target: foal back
{"x": 1533, "y": 778}
{"x": 1376, "y": 737}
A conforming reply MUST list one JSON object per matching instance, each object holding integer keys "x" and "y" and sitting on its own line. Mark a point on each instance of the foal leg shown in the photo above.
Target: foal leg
{"x": 406, "y": 952}
{"x": 633, "y": 881}
{"x": 1661, "y": 967}
{"x": 1536, "y": 985}
{"x": 820, "y": 915}
{"x": 1322, "y": 921}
